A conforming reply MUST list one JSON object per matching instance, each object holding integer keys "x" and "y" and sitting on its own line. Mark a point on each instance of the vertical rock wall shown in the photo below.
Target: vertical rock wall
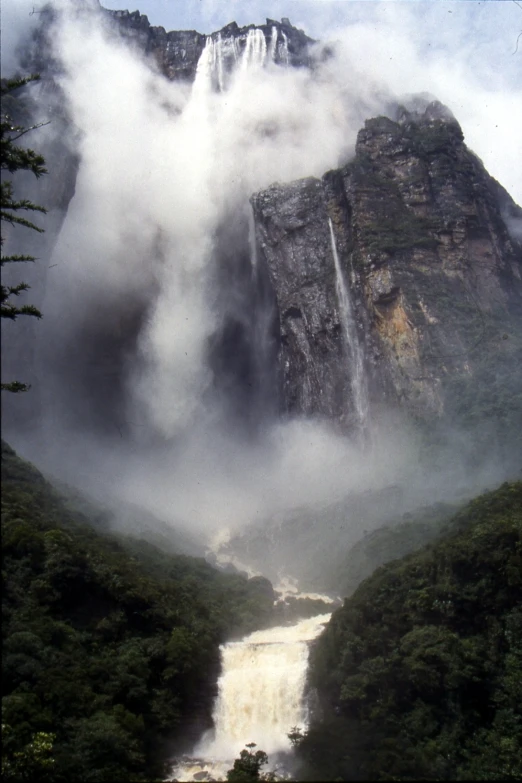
{"x": 434, "y": 272}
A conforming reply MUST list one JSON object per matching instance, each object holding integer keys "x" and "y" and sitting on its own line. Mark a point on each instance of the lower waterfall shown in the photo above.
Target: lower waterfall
{"x": 261, "y": 697}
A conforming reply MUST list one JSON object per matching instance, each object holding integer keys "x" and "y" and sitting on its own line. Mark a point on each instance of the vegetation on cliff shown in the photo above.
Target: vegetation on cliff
{"x": 110, "y": 647}
{"x": 420, "y": 672}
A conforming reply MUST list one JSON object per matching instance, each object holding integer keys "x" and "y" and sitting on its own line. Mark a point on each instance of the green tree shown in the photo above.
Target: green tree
{"x": 13, "y": 158}
{"x": 247, "y": 767}
{"x": 34, "y": 761}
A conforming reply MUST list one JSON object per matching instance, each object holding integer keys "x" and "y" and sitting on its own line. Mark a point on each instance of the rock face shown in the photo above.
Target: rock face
{"x": 422, "y": 235}
{"x": 177, "y": 52}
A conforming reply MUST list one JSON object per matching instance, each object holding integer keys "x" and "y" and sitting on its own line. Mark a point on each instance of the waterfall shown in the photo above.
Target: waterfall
{"x": 351, "y": 338}
{"x": 260, "y": 697}
{"x": 284, "y": 55}
{"x": 255, "y": 49}
{"x": 203, "y": 79}
{"x": 273, "y": 44}
{"x": 252, "y": 241}
{"x": 217, "y": 62}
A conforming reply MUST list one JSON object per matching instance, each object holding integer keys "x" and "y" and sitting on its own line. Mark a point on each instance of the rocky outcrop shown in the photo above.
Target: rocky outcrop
{"x": 435, "y": 275}
{"x": 177, "y": 52}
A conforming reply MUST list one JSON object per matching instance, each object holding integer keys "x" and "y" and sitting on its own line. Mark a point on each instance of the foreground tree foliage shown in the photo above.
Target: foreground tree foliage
{"x": 13, "y": 158}
{"x": 247, "y": 768}
{"x": 420, "y": 672}
{"x": 110, "y": 648}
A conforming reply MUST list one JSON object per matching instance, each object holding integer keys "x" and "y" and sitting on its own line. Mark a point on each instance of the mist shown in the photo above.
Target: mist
{"x": 132, "y": 408}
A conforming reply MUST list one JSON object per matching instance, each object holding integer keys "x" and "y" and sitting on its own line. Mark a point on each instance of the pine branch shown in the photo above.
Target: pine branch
{"x": 24, "y": 204}
{"x": 16, "y": 258}
{"x": 15, "y": 386}
{"x": 12, "y": 219}
{"x": 12, "y": 159}
{"x": 10, "y": 311}
{"x": 9, "y": 85}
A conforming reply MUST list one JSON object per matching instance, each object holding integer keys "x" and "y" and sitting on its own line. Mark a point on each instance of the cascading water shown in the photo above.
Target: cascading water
{"x": 217, "y": 61}
{"x": 358, "y": 384}
{"x": 260, "y": 697}
{"x": 273, "y": 44}
{"x": 204, "y": 69}
{"x": 252, "y": 241}
{"x": 255, "y": 49}
{"x": 283, "y": 54}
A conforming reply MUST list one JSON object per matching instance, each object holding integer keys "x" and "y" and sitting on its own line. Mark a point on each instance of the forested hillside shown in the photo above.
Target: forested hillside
{"x": 110, "y": 648}
{"x": 420, "y": 672}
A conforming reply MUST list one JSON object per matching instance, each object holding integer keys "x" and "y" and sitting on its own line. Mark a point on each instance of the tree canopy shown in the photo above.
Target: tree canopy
{"x": 110, "y": 648}
{"x": 420, "y": 673}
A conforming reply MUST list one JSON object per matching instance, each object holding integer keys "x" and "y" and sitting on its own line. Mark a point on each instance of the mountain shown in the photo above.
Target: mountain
{"x": 211, "y": 337}
{"x": 177, "y": 53}
{"x": 390, "y": 284}
{"x": 433, "y": 272}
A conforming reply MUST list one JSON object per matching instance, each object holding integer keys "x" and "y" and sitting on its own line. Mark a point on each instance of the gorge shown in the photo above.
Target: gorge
{"x": 282, "y": 331}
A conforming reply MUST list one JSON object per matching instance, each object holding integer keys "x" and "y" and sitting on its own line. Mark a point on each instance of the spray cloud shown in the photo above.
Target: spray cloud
{"x": 163, "y": 166}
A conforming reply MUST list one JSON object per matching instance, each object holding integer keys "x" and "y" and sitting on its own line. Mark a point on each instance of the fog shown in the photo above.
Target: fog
{"x": 130, "y": 406}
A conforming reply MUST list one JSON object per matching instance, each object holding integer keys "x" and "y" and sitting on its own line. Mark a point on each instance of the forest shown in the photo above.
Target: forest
{"x": 110, "y": 647}
{"x": 420, "y": 672}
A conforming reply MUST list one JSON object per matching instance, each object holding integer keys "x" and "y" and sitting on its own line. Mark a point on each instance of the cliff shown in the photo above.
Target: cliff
{"x": 394, "y": 280}
{"x": 435, "y": 277}
{"x": 177, "y": 52}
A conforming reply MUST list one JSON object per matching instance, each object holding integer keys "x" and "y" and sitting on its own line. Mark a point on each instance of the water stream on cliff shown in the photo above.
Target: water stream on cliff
{"x": 255, "y": 49}
{"x": 355, "y": 350}
{"x": 285, "y": 56}
{"x": 261, "y": 697}
{"x": 273, "y": 43}
{"x": 217, "y": 61}
{"x": 219, "y": 52}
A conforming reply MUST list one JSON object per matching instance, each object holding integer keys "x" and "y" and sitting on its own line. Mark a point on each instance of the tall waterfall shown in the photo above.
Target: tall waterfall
{"x": 252, "y": 241}
{"x": 260, "y": 697}
{"x": 204, "y": 69}
{"x": 356, "y": 355}
{"x": 284, "y": 55}
{"x": 273, "y": 43}
{"x": 255, "y": 49}
{"x": 217, "y": 61}
{"x": 221, "y": 55}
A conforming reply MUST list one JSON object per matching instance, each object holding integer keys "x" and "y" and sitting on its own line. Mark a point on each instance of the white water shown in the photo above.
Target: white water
{"x": 284, "y": 55}
{"x": 217, "y": 62}
{"x": 212, "y": 67}
{"x": 260, "y": 697}
{"x": 252, "y": 240}
{"x": 255, "y": 50}
{"x": 357, "y": 375}
{"x": 273, "y": 44}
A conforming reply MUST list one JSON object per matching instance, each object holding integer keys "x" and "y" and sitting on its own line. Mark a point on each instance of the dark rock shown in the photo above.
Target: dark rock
{"x": 432, "y": 266}
{"x": 177, "y": 52}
